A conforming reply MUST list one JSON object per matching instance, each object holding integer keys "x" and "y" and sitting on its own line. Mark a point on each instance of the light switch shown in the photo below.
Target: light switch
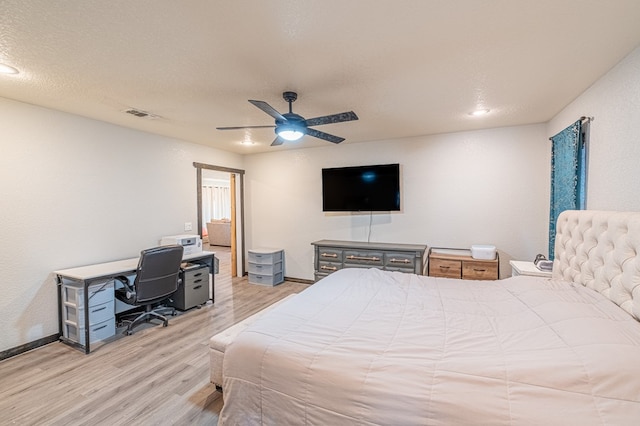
{"x": 187, "y": 226}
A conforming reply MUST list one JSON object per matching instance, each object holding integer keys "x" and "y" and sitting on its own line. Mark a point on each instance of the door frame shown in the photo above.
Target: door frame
{"x": 234, "y": 242}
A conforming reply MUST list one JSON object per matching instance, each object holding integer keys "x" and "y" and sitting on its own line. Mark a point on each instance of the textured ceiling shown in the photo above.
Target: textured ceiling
{"x": 407, "y": 68}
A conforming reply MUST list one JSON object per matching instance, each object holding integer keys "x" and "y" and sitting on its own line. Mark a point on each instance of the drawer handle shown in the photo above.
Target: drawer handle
{"x": 328, "y": 268}
{"x": 445, "y": 267}
{"x": 99, "y": 309}
{"x": 197, "y": 281}
{"x": 197, "y": 287}
{"x": 331, "y": 255}
{"x": 372, "y": 258}
{"x": 100, "y": 328}
{"x": 197, "y": 275}
{"x": 393, "y": 260}
{"x": 479, "y": 270}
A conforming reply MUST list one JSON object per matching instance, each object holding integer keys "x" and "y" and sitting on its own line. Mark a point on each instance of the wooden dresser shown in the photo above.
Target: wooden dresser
{"x": 454, "y": 263}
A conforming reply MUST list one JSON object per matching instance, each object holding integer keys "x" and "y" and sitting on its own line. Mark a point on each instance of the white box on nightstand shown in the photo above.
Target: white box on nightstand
{"x": 519, "y": 267}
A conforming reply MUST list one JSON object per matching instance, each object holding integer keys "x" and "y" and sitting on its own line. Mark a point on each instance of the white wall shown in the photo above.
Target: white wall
{"x": 613, "y": 181}
{"x": 481, "y": 187}
{"x": 76, "y": 191}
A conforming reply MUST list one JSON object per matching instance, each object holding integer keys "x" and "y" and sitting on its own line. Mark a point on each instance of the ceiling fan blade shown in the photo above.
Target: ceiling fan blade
{"x": 334, "y": 118}
{"x": 245, "y": 127}
{"x": 277, "y": 141}
{"x": 322, "y": 135}
{"x": 268, "y": 109}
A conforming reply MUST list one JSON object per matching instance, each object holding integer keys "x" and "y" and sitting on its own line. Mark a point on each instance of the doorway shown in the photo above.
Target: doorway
{"x": 221, "y": 210}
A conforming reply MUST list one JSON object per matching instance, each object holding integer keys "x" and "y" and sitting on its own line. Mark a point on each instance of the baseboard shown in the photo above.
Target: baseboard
{"x": 28, "y": 346}
{"x": 298, "y": 280}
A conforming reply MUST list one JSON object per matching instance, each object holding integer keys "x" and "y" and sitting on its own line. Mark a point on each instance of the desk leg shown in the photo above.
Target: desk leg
{"x": 87, "y": 340}
{"x": 59, "y": 283}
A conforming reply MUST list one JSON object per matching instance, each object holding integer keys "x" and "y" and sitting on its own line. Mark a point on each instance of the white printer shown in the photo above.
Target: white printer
{"x": 191, "y": 243}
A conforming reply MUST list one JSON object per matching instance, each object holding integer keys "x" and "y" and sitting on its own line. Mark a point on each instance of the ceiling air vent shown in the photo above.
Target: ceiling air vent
{"x": 140, "y": 113}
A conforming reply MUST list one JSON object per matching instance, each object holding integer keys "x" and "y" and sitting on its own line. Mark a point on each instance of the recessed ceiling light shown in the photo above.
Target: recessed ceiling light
{"x": 6, "y": 69}
{"x": 479, "y": 112}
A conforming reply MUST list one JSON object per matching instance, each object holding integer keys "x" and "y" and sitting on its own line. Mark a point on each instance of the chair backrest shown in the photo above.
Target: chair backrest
{"x": 158, "y": 272}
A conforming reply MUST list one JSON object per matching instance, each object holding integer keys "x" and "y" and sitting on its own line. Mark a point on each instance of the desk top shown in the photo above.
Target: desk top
{"x": 118, "y": 267}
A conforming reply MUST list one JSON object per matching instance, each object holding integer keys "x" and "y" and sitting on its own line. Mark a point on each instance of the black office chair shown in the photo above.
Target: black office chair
{"x": 157, "y": 278}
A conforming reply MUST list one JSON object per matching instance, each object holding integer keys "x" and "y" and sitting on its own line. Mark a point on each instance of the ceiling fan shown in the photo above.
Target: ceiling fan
{"x": 291, "y": 127}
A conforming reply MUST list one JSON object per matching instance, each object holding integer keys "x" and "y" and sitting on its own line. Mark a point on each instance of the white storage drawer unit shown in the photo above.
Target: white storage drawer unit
{"x": 266, "y": 266}
{"x": 102, "y": 322}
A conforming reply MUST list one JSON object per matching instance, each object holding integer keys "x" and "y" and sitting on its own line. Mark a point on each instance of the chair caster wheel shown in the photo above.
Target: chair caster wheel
{"x": 164, "y": 324}
{"x": 128, "y": 332}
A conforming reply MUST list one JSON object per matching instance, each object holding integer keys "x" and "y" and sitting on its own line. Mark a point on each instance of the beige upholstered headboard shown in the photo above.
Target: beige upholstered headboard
{"x": 601, "y": 250}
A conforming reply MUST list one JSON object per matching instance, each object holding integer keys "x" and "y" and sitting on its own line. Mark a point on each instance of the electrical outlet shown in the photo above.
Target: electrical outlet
{"x": 188, "y": 226}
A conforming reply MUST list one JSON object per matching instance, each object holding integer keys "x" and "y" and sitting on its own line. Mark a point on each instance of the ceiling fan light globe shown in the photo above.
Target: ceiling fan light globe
{"x": 290, "y": 134}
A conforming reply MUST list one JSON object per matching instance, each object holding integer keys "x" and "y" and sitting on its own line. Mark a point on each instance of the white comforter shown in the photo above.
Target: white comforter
{"x": 369, "y": 347}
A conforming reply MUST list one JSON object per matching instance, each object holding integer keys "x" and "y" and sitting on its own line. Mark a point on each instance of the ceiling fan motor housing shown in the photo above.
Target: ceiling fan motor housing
{"x": 290, "y": 96}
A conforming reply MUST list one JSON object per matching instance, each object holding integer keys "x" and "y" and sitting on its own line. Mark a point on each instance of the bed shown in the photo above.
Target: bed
{"x": 371, "y": 347}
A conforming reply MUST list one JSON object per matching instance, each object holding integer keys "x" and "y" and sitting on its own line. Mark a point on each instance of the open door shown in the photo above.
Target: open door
{"x": 235, "y": 178}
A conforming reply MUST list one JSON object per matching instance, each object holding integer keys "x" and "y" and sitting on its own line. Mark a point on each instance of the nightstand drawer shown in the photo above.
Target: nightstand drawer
{"x": 478, "y": 270}
{"x": 445, "y": 268}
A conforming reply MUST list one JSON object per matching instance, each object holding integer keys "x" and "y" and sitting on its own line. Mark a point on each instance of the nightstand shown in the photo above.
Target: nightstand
{"x": 520, "y": 267}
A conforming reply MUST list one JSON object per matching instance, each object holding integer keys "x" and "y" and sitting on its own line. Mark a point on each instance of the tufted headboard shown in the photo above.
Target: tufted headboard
{"x": 601, "y": 250}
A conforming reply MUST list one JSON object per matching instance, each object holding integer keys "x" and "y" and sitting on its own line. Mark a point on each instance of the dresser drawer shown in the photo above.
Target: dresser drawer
{"x": 363, "y": 258}
{"x": 399, "y": 261}
{"x": 445, "y": 268}
{"x": 478, "y": 270}
{"x": 329, "y": 254}
{"x": 328, "y": 267}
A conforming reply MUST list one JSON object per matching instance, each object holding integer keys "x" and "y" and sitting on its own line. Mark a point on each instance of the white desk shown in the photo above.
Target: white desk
{"x": 86, "y": 275}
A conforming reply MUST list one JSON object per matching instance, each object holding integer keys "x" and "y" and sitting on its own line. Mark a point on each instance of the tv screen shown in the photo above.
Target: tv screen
{"x": 361, "y": 188}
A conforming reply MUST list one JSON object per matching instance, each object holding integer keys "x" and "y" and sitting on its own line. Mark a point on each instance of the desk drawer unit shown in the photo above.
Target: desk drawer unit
{"x": 193, "y": 290}
{"x": 101, "y": 311}
{"x": 266, "y": 266}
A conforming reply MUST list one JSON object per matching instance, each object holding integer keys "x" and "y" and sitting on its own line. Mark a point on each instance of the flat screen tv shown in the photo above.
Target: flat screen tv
{"x": 361, "y": 188}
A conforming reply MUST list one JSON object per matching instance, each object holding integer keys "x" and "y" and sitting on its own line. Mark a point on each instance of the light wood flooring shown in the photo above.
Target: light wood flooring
{"x": 157, "y": 376}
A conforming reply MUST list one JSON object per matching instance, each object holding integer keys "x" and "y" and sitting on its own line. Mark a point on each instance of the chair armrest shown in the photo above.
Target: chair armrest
{"x": 127, "y": 285}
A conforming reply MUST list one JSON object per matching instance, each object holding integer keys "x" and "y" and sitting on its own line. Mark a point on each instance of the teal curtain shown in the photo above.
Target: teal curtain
{"x": 568, "y": 175}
